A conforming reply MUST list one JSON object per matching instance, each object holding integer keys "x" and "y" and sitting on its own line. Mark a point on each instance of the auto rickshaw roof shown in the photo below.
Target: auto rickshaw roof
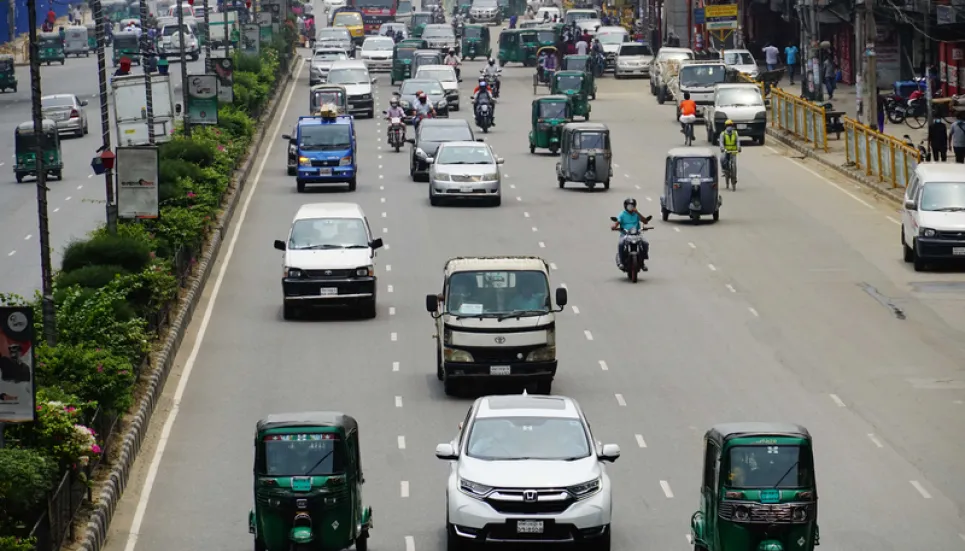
{"x": 569, "y": 73}
{"x": 727, "y": 431}
{"x": 546, "y": 48}
{"x": 49, "y": 35}
{"x": 586, "y": 127}
{"x": 125, "y": 34}
{"x": 6, "y": 57}
{"x": 308, "y": 419}
{"x": 28, "y": 127}
{"x": 556, "y": 98}
{"x": 691, "y": 152}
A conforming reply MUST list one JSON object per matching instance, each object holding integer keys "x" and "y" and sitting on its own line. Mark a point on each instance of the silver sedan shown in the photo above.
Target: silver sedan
{"x": 466, "y": 171}
{"x": 67, "y": 111}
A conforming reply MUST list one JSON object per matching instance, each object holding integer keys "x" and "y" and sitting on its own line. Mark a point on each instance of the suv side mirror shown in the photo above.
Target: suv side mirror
{"x": 561, "y": 298}
{"x": 280, "y": 245}
{"x": 610, "y": 453}
{"x": 909, "y": 204}
{"x": 376, "y": 243}
{"x": 432, "y": 303}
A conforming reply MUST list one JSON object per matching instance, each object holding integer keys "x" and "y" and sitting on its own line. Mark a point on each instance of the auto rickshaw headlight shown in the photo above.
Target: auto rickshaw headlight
{"x": 742, "y": 513}
{"x": 544, "y": 354}
{"x": 586, "y": 489}
{"x": 274, "y": 502}
{"x": 304, "y": 161}
{"x": 457, "y": 356}
{"x": 473, "y": 489}
{"x": 799, "y": 514}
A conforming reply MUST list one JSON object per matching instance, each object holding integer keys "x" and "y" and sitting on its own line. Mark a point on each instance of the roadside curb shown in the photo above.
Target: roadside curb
{"x": 95, "y": 535}
{"x": 889, "y": 195}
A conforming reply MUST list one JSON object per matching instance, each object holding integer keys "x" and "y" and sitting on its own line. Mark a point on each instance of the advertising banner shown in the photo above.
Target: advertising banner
{"x": 137, "y": 187}
{"x": 17, "y": 365}
{"x": 202, "y": 99}
{"x": 250, "y": 37}
{"x": 224, "y": 68}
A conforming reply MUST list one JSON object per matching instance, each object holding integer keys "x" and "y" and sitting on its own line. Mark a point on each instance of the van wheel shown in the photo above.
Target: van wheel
{"x": 288, "y": 311}
{"x": 369, "y": 310}
{"x": 562, "y": 183}
{"x": 917, "y": 261}
{"x": 300, "y": 185}
{"x": 909, "y": 252}
{"x": 760, "y": 141}
{"x": 352, "y": 184}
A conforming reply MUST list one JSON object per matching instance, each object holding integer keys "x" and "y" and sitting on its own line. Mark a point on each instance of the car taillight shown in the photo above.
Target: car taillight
{"x": 74, "y": 114}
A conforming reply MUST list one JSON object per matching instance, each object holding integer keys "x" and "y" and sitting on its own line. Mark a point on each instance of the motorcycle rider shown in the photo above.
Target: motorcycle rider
{"x": 452, "y": 60}
{"x": 730, "y": 145}
{"x": 492, "y": 73}
{"x": 422, "y": 107}
{"x": 482, "y": 94}
{"x": 599, "y": 55}
{"x": 630, "y": 219}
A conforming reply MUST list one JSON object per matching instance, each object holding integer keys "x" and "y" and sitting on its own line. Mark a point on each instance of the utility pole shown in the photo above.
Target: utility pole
{"x": 207, "y": 38}
{"x": 859, "y": 79}
{"x": 98, "y": 14}
{"x": 871, "y": 68}
{"x": 184, "y": 71}
{"x": 929, "y": 92}
{"x": 146, "y": 50}
{"x": 46, "y": 271}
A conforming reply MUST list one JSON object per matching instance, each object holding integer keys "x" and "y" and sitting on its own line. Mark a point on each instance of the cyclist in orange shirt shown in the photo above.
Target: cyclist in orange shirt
{"x": 688, "y": 108}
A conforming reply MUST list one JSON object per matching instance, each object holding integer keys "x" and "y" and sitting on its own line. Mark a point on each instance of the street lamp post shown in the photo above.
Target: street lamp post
{"x": 98, "y": 12}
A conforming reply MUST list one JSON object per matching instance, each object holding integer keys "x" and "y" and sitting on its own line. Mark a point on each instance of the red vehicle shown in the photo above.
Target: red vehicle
{"x": 375, "y": 12}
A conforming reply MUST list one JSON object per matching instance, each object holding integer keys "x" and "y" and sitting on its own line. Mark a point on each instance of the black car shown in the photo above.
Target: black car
{"x": 435, "y": 95}
{"x": 431, "y": 134}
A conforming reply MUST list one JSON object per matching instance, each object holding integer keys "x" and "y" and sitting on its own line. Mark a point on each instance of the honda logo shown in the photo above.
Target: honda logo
{"x": 500, "y": 340}
{"x": 529, "y": 496}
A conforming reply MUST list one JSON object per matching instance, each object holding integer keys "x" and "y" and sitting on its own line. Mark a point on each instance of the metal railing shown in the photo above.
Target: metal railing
{"x": 879, "y": 155}
{"x": 800, "y": 118}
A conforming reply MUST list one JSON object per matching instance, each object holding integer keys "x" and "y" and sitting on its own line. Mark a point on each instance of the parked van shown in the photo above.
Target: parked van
{"x": 933, "y": 221}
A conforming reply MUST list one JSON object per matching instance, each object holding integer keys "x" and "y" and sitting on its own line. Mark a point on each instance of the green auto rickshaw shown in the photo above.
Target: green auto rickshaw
{"x": 126, "y": 45}
{"x": 418, "y": 23}
{"x": 517, "y": 46}
{"x": 576, "y": 85}
{"x": 91, "y": 36}
{"x": 475, "y": 42}
{"x": 25, "y": 153}
{"x": 550, "y": 35}
{"x": 581, "y": 63}
{"x": 758, "y": 491}
{"x": 402, "y": 62}
{"x": 51, "y": 48}
{"x": 414, "y": 43}
{"x": 308, "y": 484}
{"x": 8, "y": 73}
{"x": 550, "y": 113}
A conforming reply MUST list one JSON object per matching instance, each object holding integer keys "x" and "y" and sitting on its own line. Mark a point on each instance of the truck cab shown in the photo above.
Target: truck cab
{"x": 495, "y": 321}
{"x": 326, "y": 149}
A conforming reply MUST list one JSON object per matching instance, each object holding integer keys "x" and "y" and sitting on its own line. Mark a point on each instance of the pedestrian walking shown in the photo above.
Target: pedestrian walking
{"x": 790, "y": 59}
{"x": 957, "y": 136}
{"x": 770, "y": 56}
{"x": 830, "y": 76}
{"x": 938, "y": 140}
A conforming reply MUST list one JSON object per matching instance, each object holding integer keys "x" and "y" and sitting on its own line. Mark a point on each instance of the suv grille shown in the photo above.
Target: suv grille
{"x": 546, "y": 502}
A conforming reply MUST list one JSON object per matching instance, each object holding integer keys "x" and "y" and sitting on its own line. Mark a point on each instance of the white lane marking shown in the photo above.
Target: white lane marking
{"x": 89, "y": 175}
{"x": 676, "y": 230}
{"x": 588, "y": 335}
{"x": 690, "y": 539}
{"x": 691, "y": 245}
{"x": 962, "y": 536}
{"x": 575, "y": 309}
{"x": 712, "y": 267}
{"x": 402, "y": 442}
{"x": 27, "y": 238}
{"x": 829, "y": 182}
{"x": 409, "y": 543}
{"x": 155, "y": 464}
{"x": 650, "y": 199}
{"x": 519, "y": 199}
{"x": 505, "y": 175}
{"x": 391, "y": 310}
{"x": 921, "y": 489}
{"x": 380, "y": 156}
{"x": 385, "y": 214}
{"x": 640, "y": 441}
{"x": 389, "y": 288}
{"x": 534, "y": 228}
{"x": 395, "y": 366}
{"x": 542, "y": 245}
{"x": 837, "y": 400}
{"x": 604, "y": 366}
{"x": 525, "y": 215}
{"x": 68, "y": 198}
{"x": 385, "y": 230}
{"x": 616, "y": 165}
{"x": 626, "y": 175}
{"x": 404, "y": 488}
{"x": 80, "y": 187}
{"x": 380, "y": 166}
{"x": 620, "y": 401}
{"x": 388, "y": 267}
{"x": 552, "y": 266}
{"x": 636, "y": 186}
{"x": 753, "y": 312}
{"x": 387, "y": 247}
{"x": 381, "y": 199}
{"x": 512, "y": 186}
{"x": 394, "y": 337}
{"x": 1, "y": 164}
{"x": 380, "y": 148}
{"x": 893, "y": 220}
{"x": 875, "y": 441}
{"x": 730, "y": 288}
{"x": 666, "y": 488}
{"x": 56, "y": 209}
{"x": 381, "y": 176}
{"x": 398, "y": 401}
{"x": 11, "y": 253}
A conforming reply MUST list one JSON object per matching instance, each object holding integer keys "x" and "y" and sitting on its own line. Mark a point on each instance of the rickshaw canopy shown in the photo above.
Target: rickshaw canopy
{"x": 683, "y": 163}
{"x": 48, "y": 127}
{"x": 6, "y": 62}
{"x": 552, "y": 108}
{"x": 323, "y": 94}
{"x": 586, "y": 135}
{"x": 47, "y": 40}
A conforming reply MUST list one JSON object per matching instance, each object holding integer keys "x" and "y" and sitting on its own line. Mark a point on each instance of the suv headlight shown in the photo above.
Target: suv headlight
{"x": 473, "y": 489}
{"x": 544, "y": 354}
{"x": 293, "y": 272}
{"x": 457, "y": 356}
{"x": 586, "y": 489}
{"x": 364, "y": 271}
{"x": 928, "y": 232}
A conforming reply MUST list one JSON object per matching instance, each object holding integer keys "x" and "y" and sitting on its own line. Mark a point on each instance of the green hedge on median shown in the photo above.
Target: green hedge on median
{"x": 113, "y": 293}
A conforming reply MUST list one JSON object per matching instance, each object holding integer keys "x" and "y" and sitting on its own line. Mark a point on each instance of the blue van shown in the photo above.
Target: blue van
{"x": 325, "y": 147}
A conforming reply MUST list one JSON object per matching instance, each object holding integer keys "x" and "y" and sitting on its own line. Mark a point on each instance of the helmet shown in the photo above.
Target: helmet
{"x": 452, "y": 51}
{"x": 729, "y": 123}
{"x": 421, "y": 95}
{"x": 394, "y": 102}
{"x": 629, "y": 202}
{"x": 492, "y": 61}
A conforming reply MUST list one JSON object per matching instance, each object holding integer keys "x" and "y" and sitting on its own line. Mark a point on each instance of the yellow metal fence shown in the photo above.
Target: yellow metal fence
{"x": 801, "y": 118}
{"x": 879, "y": 155}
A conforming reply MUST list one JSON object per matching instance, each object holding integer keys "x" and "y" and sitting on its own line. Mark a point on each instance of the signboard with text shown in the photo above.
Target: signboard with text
{"x": 17, "y": 382}
{"x": 137, "y": 182}
{"x": 202, "y": 99}
{"x": 250, "y": 37}
{"x": 721, "y": 19}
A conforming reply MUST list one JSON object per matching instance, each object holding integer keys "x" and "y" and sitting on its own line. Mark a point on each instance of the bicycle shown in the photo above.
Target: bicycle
{"x": 729, "y": 166}
{"x": 687, "y": 126}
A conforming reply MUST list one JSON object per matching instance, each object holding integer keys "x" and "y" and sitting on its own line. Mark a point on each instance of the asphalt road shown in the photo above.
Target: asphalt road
{"x": 76, "y": 205}
{"x": 763, "y": 316}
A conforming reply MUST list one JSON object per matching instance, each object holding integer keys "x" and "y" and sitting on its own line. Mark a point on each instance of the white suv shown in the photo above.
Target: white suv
{"x": 933, "y": 221}
{"x": 526, "y": 469}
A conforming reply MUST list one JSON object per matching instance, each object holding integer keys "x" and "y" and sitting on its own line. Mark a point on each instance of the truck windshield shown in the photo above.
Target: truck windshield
{"x": 325, "y": 136}
{"x": 520, "y": 438}
{"x": 495, "y": 293}
{"x": 702, "y": 75}
{"x": 303, "y": 455}
{"x": 783, "y": 466}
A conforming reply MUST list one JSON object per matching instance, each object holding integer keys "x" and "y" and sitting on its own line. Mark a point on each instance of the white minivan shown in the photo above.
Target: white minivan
{"x": 354, "y": 76}
{"x": 933, "y": 220}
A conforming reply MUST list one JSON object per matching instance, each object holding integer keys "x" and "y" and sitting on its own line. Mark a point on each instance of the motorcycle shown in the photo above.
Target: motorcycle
{"x": 632, "y": 252}
{"x": 484, "y": 116}
{"x": 922, "y": 147}
{"x": 492, "y": 80}
{"x": 396, "y": 132}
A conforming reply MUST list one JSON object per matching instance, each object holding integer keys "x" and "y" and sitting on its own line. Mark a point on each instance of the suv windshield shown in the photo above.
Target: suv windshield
{"x": 738, "y": 58}
{"x": 348, "y": 76}
{"x": 635, "y": 49}
{"x": 613, "y": 38}
{"x": 943, "y": 197}
{"x": 520, "y": 438}
{"x": 702, "y": 75}
{"x": 328, "y": 233}
{"x": 768, "y": 467}
{"x": 739, "y": 98}
{"x": 303, "y": 455}
{"x": 493, "y": 293}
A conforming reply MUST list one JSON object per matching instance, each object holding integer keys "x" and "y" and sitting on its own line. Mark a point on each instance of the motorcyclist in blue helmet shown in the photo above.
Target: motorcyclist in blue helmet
{"x": 630, "y": 219}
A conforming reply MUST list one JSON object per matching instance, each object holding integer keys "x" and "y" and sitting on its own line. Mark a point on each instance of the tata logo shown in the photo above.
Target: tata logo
{"x": 500, "y": 340}
{"x": 529, "y": 496}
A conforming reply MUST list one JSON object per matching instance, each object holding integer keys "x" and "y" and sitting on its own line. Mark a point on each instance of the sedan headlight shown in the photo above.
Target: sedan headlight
{"x": 442, "y": 177}
{"x": 545, "y": 354}
{"x": 304, "y": 161}
{"x": 405, "y": 104}
{"x": 491, "y": 177}
{"x": 457, "y": 356}
{"x": 293, "y": 272}
{"x": 928, "y": 232}
{"x": 345, "y": 161}
{"x": 442, "y": 103}
{"x": 586, "y": 489}
{"x": 365, "y": 271}
{"x": 473, "y": 489}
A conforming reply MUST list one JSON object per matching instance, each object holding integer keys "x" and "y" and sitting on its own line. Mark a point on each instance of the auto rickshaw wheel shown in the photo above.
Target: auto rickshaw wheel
{"x": 59, "y": 175}
{"x": 362, "y": 542}
{"x": 554, "y": 150}
{"x": 606, "y": 184}
{"x": 19, "y": 178}
{"x": 62, "y": 61}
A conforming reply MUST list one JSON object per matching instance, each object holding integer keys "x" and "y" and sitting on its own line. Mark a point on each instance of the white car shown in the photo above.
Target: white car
{"x": 578, "y": 15}
{"x": 589, "y": 25}
{"x": 169, "y": 44}
{"x": 485, "y": 11}
{"x": 329, "y": 260}
{"x": 742, "y": 61}
{"x": 527, "y": 469}
{"x": 354, "y": 76}
{"x": 377, "y": 53}
{"x": 332, "y": 5}
{"x": 321, "y": 63}
{"x": 633, "y": 59}
{"x": 933, "y": 220}
{"x": 547, "y": 13}
{"x": 610, "y": 39}
{"x": 446, "y": 76}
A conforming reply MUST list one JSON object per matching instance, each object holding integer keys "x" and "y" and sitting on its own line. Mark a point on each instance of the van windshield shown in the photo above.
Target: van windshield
{"x": 328, "y": 233}
{"x": 943, "y": 197}
{"x": 348, "y": 76}
{"x": 303, "y": 455}
{"x": 783, "y": 466}
{"x": 702, "y": 75}
{"x": 325, "y": 136}
{"x": 494, "y": 293}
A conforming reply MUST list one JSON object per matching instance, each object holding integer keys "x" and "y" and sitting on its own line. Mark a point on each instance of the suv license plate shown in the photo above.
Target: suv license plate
{"x": 328, "y": 291}
{"x": 529, "y": 527}
{"x": 499, "y": 370}
{"x": 742, "y": 127}
{"x": 958, "y": 251}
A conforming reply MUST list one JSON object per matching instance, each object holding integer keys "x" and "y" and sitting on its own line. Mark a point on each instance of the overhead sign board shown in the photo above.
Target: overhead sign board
{"x": 721, "y": 19}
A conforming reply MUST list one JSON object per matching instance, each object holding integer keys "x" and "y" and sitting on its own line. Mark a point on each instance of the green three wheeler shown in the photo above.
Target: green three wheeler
{"x": 402, "y": 62}
{"x": 91, "y": 36}
{"x": 8, "y": 74}
{"x": 475, "y": 42}
{"x": 418, "y": 23}
{"x": 126, "y": 45}
{"x": 550, "y": 113}
{"x": 25, "y": 156}
{"x": 576, "y": 85}
{"x": 517, "y": 46}
{"x": 51, "y": 48}
{"x": 758, "y": 491}
{"x": 308, "y": 484}
{"x": 575, "y": 62}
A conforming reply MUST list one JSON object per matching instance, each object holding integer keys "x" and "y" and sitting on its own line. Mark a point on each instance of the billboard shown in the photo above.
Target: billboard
{"x": 17, "y": 396}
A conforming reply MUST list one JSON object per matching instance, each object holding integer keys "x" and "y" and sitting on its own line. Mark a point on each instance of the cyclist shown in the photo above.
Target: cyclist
{"x": 688, "y": 115}
{"x": 730, "y": 146}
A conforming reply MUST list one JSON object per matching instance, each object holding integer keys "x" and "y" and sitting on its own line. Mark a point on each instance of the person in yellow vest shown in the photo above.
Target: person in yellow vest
{"x": 730, "y": 146}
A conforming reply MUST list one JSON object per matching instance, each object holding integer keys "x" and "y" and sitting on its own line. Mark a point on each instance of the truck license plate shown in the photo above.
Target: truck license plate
{"x": 529, "y": 527}
{"x": 499, "y": 370}
{"x": 742, "y": 127}
{"x": 958, "y": 251}
{"x": 324, "y": 172}
{"x": 328, "y": 291}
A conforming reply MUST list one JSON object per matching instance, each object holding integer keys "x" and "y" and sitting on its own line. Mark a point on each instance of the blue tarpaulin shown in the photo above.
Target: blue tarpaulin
{"x": 60, "y": 8}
